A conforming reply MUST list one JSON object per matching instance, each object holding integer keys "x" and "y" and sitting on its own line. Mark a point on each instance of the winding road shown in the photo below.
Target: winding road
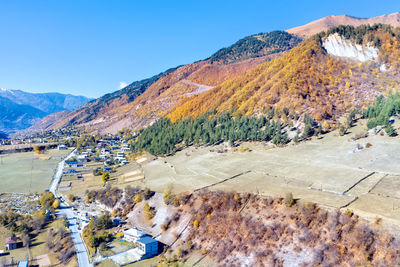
{"x": 67, "y": 211}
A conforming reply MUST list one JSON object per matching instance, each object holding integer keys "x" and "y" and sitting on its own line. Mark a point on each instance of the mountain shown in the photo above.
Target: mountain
{"x": 46, "y": 102}
{"x": 332, "y": 21}
{"x": 257, "y": 45}
{"x": 142, "y": 102}
{"x": 15, "y": 116}
{"x": 20, "y": 110}
{"x": 325, "y": 76}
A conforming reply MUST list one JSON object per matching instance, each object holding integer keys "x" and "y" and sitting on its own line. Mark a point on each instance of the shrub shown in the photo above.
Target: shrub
{"x": 289, "y": 200}
{"x": 71, "y": 197}
{"x": 390, "y": 131}
{"x": 39, "y": 149}
{"x": 148, "y": 211}
{"x": 342, "y": 130}
{"x": 138, "y": 198}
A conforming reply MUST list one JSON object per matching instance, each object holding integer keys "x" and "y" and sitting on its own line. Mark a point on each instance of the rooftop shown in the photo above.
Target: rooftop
{"x": 147, "y": 240}
{"x": 11, "y": 240}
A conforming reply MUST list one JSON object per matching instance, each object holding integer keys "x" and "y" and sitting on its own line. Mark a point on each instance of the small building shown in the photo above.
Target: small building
{"x": 133, "y": 234}
{"x": 118, "y": 222}
{"x": 148, "y": 246}
{"x": 24, "y": 263}
{"x": 107, "y": 169}
{"x": 72, "y": 164}
{"x": 11, "y": 243}
{"x": 62, "y": 147}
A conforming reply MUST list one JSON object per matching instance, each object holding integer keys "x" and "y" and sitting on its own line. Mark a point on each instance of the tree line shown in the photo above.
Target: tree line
{"x": 163, "y": 136}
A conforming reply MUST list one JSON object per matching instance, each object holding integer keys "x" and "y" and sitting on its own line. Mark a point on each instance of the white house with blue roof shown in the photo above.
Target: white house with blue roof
{"x": 148, "y": 246}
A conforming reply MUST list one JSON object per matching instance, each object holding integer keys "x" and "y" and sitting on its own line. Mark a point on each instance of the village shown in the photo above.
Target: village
{"x": 129, "y": 244}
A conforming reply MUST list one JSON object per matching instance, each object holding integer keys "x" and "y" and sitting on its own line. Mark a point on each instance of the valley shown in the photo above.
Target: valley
{"x": 280, "y": 149}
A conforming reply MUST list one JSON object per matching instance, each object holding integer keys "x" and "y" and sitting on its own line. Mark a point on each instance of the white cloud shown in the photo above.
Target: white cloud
{"x": 122, "y": 85}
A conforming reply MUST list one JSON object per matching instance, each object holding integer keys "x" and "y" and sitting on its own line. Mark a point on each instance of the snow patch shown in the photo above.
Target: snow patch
{"x": 339, "y": 46}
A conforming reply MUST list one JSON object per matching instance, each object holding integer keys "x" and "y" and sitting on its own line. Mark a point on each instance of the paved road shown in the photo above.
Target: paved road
{"x": 66, "y": 211}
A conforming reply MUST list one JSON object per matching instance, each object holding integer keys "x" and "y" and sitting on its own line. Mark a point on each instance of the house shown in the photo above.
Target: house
{"x": 120, "y": 154}
{"x": 82, "y": 158}
{"x": 107, "y": 169}
{"x": 147, "y": 246}
{"x": 105, "y": 151}
{"x": 11, "y": 243}
{"x": 24, "y": 263}
{"x": 72, "y": 164}
{"x": 62, "y": 147}
{"x": 118, "y": 222}
{"x": 133, "y": 234}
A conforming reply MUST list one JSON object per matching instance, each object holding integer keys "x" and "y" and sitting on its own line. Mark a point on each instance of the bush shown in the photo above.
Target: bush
{"x": 390, "y": 131}
{"x": 71, "y": 197}
{"x": 289, "y": 200}
{"x": 39, "y": 149}
{"x": 149, "y": 211}
{"x": 138, "y": 198}
{"x": 342, "y": 130}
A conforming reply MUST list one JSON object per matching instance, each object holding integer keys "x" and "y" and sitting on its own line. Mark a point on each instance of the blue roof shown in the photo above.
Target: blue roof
{"x": 71, "y": 162}
{"x": 23, "y": 264}
{"x": 147, "y": 240}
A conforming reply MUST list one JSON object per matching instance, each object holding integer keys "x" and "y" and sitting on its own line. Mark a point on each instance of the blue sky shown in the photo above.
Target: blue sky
{"x": 90, "y": 47}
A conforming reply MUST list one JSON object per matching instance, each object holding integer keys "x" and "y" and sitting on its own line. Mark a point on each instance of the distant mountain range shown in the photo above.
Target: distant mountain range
{"x": 284, "y": 70}
{"x": 20, "y": 110}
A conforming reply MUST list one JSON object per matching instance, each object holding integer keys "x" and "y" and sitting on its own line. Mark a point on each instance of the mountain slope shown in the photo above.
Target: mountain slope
{"x": 307, "y": 79}
{"x": 20, "y": 110}
{"x": 46, "y": 102}
{"x": 332, "y": 21}
{"x": 257, "y": 45}
{"x": 141, "y": 103}
{"x": 14, "y": 116}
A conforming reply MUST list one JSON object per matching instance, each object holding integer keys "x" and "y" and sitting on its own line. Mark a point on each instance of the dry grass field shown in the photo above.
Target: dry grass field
{"x": 28, "y": 172}
{"x": 332, "y": 171}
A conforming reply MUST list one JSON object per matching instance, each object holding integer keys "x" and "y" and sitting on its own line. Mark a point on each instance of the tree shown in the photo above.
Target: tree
{"x": 71, "y": 197}
{"x": 390, "y": 131}
{"x": 342, "y": 130}
{"x": 138, "y": 198}
{"x": 196, "y": 223}
{"x": 47, "y": 200}
{"x": 56, "y": 204}
{"x": 105, "y": 177}
{"x": 39, "y": 149}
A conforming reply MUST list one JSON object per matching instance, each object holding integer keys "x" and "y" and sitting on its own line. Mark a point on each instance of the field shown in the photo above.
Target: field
{"x": 28, "y": 172}
{"x": 334, "y": 171}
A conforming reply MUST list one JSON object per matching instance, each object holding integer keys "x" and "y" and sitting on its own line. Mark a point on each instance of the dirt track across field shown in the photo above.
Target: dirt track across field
{"x": 333, "y": 172}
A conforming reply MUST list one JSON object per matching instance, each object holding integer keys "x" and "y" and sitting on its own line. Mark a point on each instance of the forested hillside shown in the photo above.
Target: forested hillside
{"x": 257, "y": 45}
{"x": 163, "y": 136}
{"x": 143, "y": 102}
{"x": 306, "y": 79}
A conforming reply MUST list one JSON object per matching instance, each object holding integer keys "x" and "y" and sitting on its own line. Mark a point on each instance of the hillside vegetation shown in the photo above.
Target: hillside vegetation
{"x": 243, "y": 229}
{"x": 143, "y": 102}
{"x": 257, "y": 45}
{"x": 163, "y": 136}
{"x": 305, "y": 79}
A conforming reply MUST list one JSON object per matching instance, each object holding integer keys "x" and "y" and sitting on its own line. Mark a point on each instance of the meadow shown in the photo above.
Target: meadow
{"x": 28, "y": 172}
